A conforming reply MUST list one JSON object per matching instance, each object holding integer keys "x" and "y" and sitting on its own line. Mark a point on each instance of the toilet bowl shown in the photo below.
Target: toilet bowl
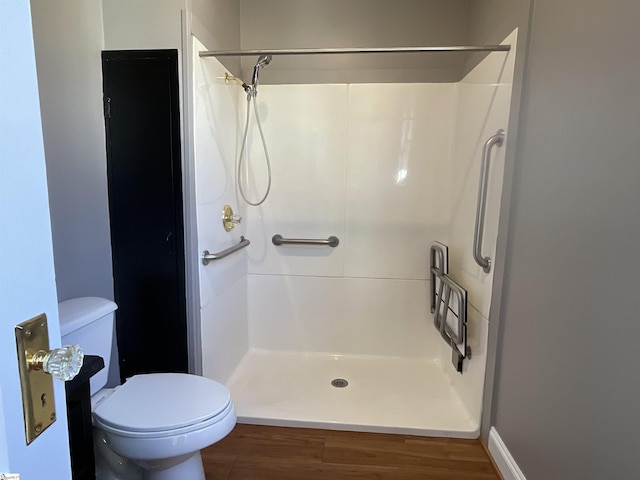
{"x": 161, "y": 421}
{"x": 157, "y": 421}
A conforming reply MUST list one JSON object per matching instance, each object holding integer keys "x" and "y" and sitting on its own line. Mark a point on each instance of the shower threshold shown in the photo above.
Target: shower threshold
{"x": 410, "y": 396}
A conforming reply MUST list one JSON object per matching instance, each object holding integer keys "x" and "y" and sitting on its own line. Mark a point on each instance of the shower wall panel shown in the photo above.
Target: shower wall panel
{"x": 398, "y": 177}
{"x": 223, "y": 282}
{"x": 224, "y": 331}
{"x": 483, "y": 108}
{"x": 371, "y": 165}
{"x": 363, "y": 316}
{"x": 484, "y": 98}
{"x": 469, "y": 385}
{"x": 306, "y": 133}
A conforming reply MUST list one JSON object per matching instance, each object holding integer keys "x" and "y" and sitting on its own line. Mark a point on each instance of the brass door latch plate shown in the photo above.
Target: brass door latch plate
{"x": 38, "y": 402}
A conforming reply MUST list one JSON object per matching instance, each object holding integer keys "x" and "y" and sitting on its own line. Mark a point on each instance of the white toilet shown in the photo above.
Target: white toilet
{"x": 158, "y": 421}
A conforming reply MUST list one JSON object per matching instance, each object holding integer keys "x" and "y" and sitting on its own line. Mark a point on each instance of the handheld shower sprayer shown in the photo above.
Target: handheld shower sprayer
{"x": 252, "y": 91}
{"x": 262, "y": 62}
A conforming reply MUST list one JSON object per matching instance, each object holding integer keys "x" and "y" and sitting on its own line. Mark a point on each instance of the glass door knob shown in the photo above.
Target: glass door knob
{"x": 62, "y": 363}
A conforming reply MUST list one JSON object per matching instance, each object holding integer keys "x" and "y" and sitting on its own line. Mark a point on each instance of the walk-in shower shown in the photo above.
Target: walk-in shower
{"x": 340, "y": 334}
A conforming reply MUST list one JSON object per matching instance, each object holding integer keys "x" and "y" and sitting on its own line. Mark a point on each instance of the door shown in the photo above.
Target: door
{"x": 27, "y": 280}
{"x": 142, "y": 120}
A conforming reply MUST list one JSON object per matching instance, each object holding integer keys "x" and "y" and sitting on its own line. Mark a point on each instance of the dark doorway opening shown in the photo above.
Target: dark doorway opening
{"x": 142, "y": 118}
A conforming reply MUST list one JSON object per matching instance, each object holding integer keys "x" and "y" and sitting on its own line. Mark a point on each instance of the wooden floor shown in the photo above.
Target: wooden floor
{"x": 253, "y": 452}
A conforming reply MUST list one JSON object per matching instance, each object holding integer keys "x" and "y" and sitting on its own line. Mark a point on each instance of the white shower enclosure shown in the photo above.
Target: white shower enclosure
{"x": 388, "y": 168}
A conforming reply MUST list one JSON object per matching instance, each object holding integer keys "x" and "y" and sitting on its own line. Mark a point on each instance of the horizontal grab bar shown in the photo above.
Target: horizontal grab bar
{"x": 208, "y": 257}
{"x": 278, "y": 240}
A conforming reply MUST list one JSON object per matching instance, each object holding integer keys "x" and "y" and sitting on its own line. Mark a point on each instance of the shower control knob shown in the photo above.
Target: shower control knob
{"x": 62, "y": 363}
{"x": 230, "y": 219}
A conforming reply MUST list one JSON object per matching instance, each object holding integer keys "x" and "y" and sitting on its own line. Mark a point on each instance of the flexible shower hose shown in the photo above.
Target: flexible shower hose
{"x": 251, "y": 98}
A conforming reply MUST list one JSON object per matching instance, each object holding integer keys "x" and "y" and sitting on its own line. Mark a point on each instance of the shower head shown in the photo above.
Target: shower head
{"x": 263, "y": 61}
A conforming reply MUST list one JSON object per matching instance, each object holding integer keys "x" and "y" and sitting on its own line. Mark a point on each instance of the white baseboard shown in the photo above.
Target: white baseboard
{"x": 504, "y": 461}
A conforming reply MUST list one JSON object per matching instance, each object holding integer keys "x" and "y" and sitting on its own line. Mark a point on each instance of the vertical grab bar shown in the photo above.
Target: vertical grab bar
{"x": 484, "y": 262}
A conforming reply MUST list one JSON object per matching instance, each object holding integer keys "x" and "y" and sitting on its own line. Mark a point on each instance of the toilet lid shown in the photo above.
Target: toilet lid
{"x": 163, "y": 401}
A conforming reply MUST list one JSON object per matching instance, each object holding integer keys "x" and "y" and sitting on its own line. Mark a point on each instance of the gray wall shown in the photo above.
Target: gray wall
{"x": 490, "y": 21}
{"x": 222, "y": 19}
{"x": 157, "y": 24}
{"x": 69, "y": 36}
{"x": 567, "y": 392}
{"x": 216, "y": 23}
{"x": 142, "y": 24}
{"x": 68, "y": 40}
{"x": 355, "y": 23}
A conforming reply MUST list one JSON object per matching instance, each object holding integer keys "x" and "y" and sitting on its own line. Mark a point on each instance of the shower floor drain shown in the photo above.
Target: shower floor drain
{"x": 339, "y": 382}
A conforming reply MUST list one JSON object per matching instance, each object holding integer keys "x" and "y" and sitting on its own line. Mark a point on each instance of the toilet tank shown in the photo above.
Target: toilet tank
{"x": 88, "y": 322}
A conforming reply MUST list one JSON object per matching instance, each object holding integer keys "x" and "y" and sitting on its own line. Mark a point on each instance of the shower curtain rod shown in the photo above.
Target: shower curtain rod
{"x": 327, "y": 51}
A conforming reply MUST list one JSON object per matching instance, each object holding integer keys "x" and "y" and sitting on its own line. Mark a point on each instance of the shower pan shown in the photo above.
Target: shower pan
{"x": 314, "y": 332}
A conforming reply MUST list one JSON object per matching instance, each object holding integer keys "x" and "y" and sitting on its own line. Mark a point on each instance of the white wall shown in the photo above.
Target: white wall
{"x": 223, "y": 289}
{"x": 68, "y": 40}
{"x": 368, "y": 163}
{"x": 27, "y": 284}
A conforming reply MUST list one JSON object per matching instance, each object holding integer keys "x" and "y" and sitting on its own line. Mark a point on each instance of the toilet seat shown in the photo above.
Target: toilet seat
{"x": 167, "y": 433}
{"x": 163, "y": 404}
